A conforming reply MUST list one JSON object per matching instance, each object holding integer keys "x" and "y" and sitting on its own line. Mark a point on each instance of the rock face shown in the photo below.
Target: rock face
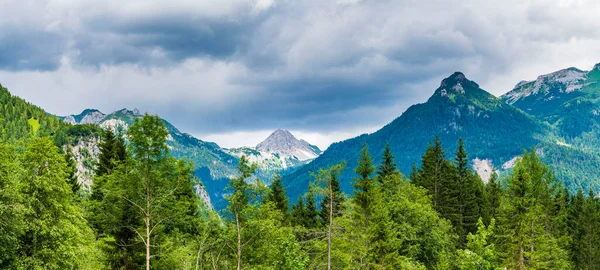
{"x": 283, "y": 143}
{"x": 484, "y": 168}
{"x": 85, "y": 153}
{"x": 93, "y": 117}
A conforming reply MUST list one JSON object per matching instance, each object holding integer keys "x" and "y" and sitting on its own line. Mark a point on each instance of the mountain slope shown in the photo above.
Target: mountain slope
{"x": 568, "y": 99}
{"x": 281, "y": 151}
{"x": 20, "y": 119}
{"x": 215, "y": 165}
{"x": 492, "y": 130}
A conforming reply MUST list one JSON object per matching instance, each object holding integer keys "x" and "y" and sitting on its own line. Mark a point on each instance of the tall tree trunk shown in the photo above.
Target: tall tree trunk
{"x": 521, "y": 258}
{"x": 239, "y": 242}
{"x": 147, "y": 226}
{"x": 329, "y": 229}
{"x": 147, "y": 242}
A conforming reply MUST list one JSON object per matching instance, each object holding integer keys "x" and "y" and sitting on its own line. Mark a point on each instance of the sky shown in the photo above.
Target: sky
{"x": 232, "y": 71}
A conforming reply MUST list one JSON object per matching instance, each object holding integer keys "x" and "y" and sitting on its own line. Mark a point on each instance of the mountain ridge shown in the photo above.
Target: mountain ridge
{"x": 215, "y": 165}
{"x": 494, "y": 132}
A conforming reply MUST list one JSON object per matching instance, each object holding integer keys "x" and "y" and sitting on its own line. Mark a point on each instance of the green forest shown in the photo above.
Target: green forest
{"x": 143, "y": 212}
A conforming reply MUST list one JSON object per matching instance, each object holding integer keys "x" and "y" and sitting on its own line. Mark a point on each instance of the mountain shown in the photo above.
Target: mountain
{"x": 281, "y": 151}
{"x": 20, "y": 120}
{"x": 214, "y": 165}
{"x": 567, "y": 99}
{"x": 494, "y": 133}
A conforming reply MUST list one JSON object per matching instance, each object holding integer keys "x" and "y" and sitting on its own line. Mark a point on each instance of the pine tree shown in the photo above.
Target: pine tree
{"x": 72, "y": 170}
{"x": 586, "y": 253}
{"x": 414, "y": 174}
{"x": 298, "y": 213}
{"x": 526, "y": 216}
{"x": 107, "y": 153}
{"x": 436, "y": 174}
{"x": 337, "y": 195}
{"x": 387, "y": 167}
{"x": 277, "y": 196}
{"x": 364, "y": 185}
{"x": 311, "y": 218}
{"x": 364, "y": 196}
{"x": 467, "y": 190}
{"x": 327, "y": 184}
{"x": 494, "y": 193}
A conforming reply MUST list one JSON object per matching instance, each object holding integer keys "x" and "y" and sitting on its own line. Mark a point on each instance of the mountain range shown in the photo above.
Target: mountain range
{"x": 557, "y": 113}
{"x": 280, "y": 152}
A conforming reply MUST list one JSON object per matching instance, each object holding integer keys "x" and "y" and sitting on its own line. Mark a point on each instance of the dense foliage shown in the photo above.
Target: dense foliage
{"x": 143, "y": 213}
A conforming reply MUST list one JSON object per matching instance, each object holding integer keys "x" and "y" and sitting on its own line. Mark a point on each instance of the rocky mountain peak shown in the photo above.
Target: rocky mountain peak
{"x": 562, "y": 81}
{"x": 284, "y": 143}
{"x": 455, "y": 84}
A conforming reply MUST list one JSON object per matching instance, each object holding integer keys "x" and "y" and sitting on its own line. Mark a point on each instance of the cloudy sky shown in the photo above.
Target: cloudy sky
{"x": 231, "y": 71}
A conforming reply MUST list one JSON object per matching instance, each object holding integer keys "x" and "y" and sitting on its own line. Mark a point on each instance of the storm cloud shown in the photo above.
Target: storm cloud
{"x": 217, "y": 68}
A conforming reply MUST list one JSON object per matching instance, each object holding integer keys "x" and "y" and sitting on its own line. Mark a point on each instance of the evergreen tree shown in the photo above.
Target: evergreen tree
{"x": 414, "y": 174}
{"x": 327, "y": 184}
{"x": 436, "y": 175}
{"x": 466, "y": 185}
{"x": 277, "y": 196}
{"x": 526, "y": 216}
{"x": 575, "y": 209}
{"x": 336, "y": 195}
{"x": 298, "y": 213}
{"x": 586, "y": 253}
{"x": 107, "y": 153}
{"x": 364, "y": 196}
{"x": 72, "y": 170}
{"x": 311, "y": 218}
{"x": 494, "y": 193}
{"x": 364, "y": 186}
{"x": 387, "y": 167}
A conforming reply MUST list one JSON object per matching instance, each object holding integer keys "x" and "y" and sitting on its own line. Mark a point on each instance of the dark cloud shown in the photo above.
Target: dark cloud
{"x": 30, "y": 49}
{"x": 315, "y": 65}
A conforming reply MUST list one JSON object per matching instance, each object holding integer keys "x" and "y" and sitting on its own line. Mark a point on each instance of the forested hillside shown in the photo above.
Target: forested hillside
{"x": 494, "y": 131}
{"x": 143, "y": 213}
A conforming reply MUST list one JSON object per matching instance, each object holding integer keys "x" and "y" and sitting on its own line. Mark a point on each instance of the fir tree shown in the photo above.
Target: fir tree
{"x": 311, "y": 218}
{"x": 333, "y": 183}
{"x": 387, "y": 167}
{"x": 364, "y": 196}
{"x": 466, "y": 185}
{"x": 364, "y": 185}
{"x": 72, "y": 170}
{"x": 298, "y": 213}
{"x": 586, "y": 252}
{"x": 526, "y": 216}
{"x": 107, "y": 153}
{"x": 277, "y": 196}
{"x": 494, "y": 193}
{"x": 435, "y": 175}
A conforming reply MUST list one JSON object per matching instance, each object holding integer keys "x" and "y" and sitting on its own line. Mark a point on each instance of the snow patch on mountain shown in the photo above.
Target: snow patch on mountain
{"x": 282, "y": 142}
